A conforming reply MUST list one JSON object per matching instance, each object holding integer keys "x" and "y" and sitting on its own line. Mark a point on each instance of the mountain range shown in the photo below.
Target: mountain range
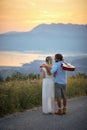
{"x": 80, "y": 64}
{"x": 47, "y": 38}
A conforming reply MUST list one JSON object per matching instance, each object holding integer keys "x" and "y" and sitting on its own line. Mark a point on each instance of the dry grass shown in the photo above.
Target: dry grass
{"x": 21, "y": 95}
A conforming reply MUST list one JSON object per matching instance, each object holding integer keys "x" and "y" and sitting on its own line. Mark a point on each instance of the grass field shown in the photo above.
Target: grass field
{"x": 20, "y": 95}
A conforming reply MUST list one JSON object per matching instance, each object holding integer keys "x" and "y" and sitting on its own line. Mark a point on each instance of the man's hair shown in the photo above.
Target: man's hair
{"x": 59, "y": 56}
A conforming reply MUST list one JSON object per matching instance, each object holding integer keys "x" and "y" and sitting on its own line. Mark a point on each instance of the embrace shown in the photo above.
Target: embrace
{"x": 54, "y": 86}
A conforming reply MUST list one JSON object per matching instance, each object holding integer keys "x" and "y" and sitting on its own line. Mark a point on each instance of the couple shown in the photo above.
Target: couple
{"x": 53, "y": 86}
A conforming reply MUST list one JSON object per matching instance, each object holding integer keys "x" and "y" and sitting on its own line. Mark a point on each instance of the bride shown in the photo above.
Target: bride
{"x": 47, "y": 87}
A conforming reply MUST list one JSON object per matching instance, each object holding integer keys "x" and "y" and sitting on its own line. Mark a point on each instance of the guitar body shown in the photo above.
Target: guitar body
{"x": 67, "y": 66}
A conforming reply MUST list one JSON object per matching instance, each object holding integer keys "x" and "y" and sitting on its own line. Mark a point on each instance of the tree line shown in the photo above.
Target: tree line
{"x": 20, "y": 76}
{"x": 32, "y": 76}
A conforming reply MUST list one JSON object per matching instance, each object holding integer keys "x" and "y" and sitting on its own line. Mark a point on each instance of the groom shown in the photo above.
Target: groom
{"x": 60, "y": 81}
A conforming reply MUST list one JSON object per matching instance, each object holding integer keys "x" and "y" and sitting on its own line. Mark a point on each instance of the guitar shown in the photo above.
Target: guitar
{"x": 67, "y": 66}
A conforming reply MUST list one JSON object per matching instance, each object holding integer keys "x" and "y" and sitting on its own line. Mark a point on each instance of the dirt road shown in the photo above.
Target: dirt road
{"x": 75, "y": 119}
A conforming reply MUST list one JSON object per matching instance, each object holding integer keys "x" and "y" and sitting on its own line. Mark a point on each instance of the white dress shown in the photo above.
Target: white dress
{"x": 47, "y": 93}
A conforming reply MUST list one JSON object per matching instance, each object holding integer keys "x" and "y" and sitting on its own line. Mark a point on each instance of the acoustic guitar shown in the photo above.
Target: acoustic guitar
{"x": 67, "y": 66}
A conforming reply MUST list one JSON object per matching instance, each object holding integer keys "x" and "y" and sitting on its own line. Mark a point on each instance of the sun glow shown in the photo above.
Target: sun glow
{"x": 18, "y": 58}
{"x": 23, "y": 15}
{"x": 8, "y": 58}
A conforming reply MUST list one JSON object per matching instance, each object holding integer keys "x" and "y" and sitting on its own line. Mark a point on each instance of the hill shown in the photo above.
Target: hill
{"x": 79, "y": 62}
{"x": 50, "y": 38}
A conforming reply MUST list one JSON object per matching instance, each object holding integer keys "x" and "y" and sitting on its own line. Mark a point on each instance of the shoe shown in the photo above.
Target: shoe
{"x": 59, "y": 112}
{"x": 50, "y": 113}
{"x": 64, "y": 110}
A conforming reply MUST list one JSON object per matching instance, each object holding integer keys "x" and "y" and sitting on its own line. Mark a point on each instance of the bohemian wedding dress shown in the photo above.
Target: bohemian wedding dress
{"x": 47, "y": 93}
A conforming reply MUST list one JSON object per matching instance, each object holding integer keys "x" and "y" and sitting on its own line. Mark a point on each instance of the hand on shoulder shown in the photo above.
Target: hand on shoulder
{"x": 48, "y": 68}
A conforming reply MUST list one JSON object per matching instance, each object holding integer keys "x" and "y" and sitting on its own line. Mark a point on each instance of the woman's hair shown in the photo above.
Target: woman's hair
{"x": 59, "y": 56}
{"x": 49, "y": 60}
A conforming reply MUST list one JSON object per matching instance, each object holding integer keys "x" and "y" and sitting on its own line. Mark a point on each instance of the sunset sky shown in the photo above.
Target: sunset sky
{"x": 18, "y": 58}
{"x": 23, "y": 15}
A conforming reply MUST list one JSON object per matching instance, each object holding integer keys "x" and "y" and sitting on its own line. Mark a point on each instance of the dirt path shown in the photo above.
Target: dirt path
{"x": 75, "y": 119}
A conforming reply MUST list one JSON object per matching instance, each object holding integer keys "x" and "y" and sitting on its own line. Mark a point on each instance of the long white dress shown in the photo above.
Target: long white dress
{"x": 47, "y": 93}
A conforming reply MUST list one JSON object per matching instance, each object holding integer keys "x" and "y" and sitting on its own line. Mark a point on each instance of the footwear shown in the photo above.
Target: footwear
{"x": 50, "y": 113}
{"x": 59, "y": 112}
{"x": 64, "y": 110}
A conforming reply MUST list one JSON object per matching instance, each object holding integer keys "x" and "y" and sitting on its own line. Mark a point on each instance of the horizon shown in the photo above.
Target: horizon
{"x": 17, "y": 59}
{"x": 18, "y": 49}
{"x": 24, "y": 15}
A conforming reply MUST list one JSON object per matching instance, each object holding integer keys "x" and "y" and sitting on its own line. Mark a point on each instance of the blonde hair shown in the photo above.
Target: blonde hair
{"x": 49, "y": 61}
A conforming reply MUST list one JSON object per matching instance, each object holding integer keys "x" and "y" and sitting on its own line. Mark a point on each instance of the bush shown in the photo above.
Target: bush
{"x": 77, "y": 86}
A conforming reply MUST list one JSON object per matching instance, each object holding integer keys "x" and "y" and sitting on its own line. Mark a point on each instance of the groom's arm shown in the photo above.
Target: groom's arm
{"x": 54, "y": 69}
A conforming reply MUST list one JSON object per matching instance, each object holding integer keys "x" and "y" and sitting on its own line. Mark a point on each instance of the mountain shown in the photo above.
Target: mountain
{"x": 80, "y": 64}
{"x": 26, "y": 68}
{"x": 47, "y": 38}
{"x": 33, "y": 67}
{"x": 52, "y": 38}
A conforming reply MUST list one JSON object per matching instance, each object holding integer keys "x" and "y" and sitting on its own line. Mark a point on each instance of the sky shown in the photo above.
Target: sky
{"x": 18, "y": 58}
{"x": 24, "y": 15}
